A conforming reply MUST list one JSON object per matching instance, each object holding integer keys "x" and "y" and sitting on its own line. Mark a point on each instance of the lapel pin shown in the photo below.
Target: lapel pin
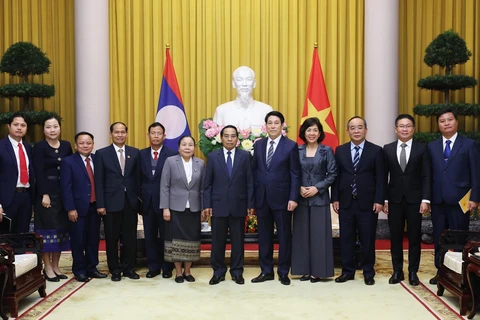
{"x": 128, "y": 157}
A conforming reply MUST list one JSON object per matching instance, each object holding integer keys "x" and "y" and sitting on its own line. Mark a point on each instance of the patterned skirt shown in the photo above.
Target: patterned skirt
{"x": 182, "y": 236}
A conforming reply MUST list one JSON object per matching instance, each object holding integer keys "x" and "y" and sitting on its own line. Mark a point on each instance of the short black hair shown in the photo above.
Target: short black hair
{"x": 18, "y": 114}
{"x": 53, "y": 116}
{"x": 118, "y": 122}
{"x": 275, "y": 114}
{"x": 156, "y": 124}
{"x": 184, "y": 137}
{"x": 404, "y": 116}
{"x": 447, "y": 110}
{"x": 357, "y": 117}
{"x": 307, "y": 124}
{"x": 83, "y": 133}
{"x": 227, "y": 127}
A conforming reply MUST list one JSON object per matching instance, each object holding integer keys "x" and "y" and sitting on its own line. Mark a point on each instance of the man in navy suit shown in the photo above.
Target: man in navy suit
{"x": 17, "y": 180}
{"x": 78, "y": 195}
{"x": 455, "y": 171}
{"x": 276, "y": 171}
{"x": 358, "y": 197}
{"x": 407, "y": 163}
{"x": 152, "y": 160}
{"x": 227, "y": 198}
{"x": 117, "y": 188}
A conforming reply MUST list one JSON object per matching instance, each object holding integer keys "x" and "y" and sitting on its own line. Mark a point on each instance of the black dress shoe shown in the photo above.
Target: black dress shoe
{"x": 315, "y": 279}
{"x": 167, "y": 274}
{"x": 263, "y": 277}
{"x": 116, "y": 277}
{"x": 190, "y": 278}
{"x": 396, "y": 278}
{"x": 305, "y": 278}
{"x": 152, "y": 273}
{"x": 216, "y": 280}
{"x": 413, "y": 279}
{"x": 60, "y": 276}
{"x": 344, "y": 278}
{"x": 82, "y": 278}
{"x": 434, "y": 280}
{"x": 96, "y": 274}
{"x": 131, "y": 275}
{"x": 52, "y": 279}
{"x": 238, "y": 279}
{"x": 179, "y": 279}
{"x": 369, "y": 281}
{"x": 284, "y": 279}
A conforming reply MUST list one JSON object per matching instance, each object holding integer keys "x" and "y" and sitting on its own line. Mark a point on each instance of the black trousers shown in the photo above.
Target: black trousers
{"x": 220, "y": 227}
{"x": 20, "y": 212}
{"x": 399, "y": 213}
{"x": 121, "y": 227}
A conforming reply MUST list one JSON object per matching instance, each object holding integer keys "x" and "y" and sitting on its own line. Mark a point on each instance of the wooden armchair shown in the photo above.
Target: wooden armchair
{"x": 21, "y": 254}
{"x": 455, "y": 248}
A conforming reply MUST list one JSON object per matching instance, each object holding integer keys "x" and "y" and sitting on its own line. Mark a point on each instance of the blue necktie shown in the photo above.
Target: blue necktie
{"x": 229, "y": 163}
{"x": 446, "y": 152}
{"x": 356, "y": 160}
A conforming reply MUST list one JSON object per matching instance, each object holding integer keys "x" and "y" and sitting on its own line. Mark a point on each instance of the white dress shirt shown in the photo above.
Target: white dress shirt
{"x": 408, "y": 149}
{"x": 84, "y": 159}
{"x": 275, "y": 145}
{"x": 188, "y": 166}
{"x": 452, "y": 139}
{"x": 232, "y": 155}
{"x": 16, "y": 150}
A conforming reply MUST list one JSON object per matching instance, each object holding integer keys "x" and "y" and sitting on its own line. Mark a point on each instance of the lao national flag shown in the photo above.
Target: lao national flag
{"x": 171, "y": 113}
{"x": 318, "y": 105}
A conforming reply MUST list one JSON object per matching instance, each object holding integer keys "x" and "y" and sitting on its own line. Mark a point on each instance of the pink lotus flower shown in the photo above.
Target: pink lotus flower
{"x": 245, "y": 133}
{"x": 210, "y": 133}
{"x": 207, "y": 124}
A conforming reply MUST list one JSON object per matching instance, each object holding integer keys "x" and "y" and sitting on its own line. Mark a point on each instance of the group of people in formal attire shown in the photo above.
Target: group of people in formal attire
{"x": 287, "y": 186}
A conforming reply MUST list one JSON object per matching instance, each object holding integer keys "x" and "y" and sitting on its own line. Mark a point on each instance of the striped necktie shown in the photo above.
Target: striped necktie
{"x": 270, "y": 153}
{"x": 356, "y": 160}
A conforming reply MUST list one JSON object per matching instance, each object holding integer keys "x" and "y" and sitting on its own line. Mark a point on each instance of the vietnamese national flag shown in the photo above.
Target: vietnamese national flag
{"x": 170, "y": 112}
{"x": 317, "y": 104}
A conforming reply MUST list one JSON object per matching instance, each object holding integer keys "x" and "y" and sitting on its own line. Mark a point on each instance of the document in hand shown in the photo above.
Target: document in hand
{"x": 464, "y": 201}
{"x": 6, "y": 225}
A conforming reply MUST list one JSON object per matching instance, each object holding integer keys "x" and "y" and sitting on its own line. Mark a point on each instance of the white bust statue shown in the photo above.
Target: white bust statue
{"x": 243, "y": 112}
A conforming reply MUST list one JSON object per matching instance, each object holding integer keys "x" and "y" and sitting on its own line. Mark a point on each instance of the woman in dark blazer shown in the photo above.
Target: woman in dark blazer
{"x": 51, "y": 219}
{"x": 312, "y": 248}
{"x": 181, "y": 201}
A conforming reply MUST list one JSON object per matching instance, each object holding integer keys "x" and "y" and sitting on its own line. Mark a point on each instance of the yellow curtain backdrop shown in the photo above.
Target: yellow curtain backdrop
{"x": 211, "y": 38}
{"x": 420, "y": 22}
{"x": 48, "y": 24}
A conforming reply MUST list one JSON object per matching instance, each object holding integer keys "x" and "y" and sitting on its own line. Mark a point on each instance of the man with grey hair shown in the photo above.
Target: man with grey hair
{"x": 244, "y": 112}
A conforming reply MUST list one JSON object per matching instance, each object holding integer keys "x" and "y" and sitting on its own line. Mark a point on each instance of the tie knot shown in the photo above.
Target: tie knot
{"x": 155, "y": 153}
{"x": 19, "y": 145}
{"x": 357, "y": 148}
{"x": 403, "y": 145}
{"x": 272, "y": 143}
{"x": 87, "y": 159}
{"x": 120, "y": 150}
{"x": 448, "y": 142}
{"x": 229, "y": 152}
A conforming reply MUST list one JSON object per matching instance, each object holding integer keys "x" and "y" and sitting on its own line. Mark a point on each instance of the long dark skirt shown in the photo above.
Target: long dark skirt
{"x": 182, "y": 236}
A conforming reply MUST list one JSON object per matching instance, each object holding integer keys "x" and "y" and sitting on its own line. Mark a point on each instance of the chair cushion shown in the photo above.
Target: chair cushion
{"x": 24, "y": 263}
{"x": 453, "y": 261}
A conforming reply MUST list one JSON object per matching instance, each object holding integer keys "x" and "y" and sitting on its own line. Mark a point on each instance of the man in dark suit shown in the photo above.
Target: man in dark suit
{"x": 407, "y": 197}
{"x": 455, "y": 171}
{"x": 276, "y": 171}
{"x": 152, "y": 160}
{"x": 78, "y": 195}
{"x": 358, "y": 197}
{"x": 117, "y": 186}
{"x": 17, "y": 180}
{"x": 227, "y": 197}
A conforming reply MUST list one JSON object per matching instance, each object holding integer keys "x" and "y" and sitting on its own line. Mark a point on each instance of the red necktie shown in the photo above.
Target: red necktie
{"x": 155, "y": 155}
{"x": 23, "y": 165}
{"x": 92, "y": 182}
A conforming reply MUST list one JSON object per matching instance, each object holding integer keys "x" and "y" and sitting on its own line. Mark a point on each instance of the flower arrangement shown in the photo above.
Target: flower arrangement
{"x": 251, "y": 224}
{"x": 210, "y": 139}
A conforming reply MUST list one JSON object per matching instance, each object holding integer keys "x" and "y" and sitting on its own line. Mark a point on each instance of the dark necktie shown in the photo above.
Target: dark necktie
{"x": 446, "y": 152}
{"x": 229, "y": 163}
{"x": 92, "y": 182}
{"x": 356, "y": 160}
{"x": 23, "y": 165}
{"x": 270, "y": 153}
{"x": 155, "y": 155}
{"x": 403, "y": 157}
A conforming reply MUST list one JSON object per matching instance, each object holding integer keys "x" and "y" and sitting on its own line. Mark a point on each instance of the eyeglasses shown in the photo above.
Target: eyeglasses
{"x": 408, "y": 126}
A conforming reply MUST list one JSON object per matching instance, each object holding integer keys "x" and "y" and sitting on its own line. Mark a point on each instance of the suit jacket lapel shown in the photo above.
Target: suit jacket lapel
{"x": 181, "y": 170}
{"x": 280, "y": 147}
{"x": 236, "y": 163}
{"x": 79, "y": 161}
{"x": 195, "y": 172}
{"x": 457, "y": 145}
{"x": 222, "y": 163}
{"x": 10, "y": 151}
{"x": 115, "y": 159}
{"x": 161, "y": 159}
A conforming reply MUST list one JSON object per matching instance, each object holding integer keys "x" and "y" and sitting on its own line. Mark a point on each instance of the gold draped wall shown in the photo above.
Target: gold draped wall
{"x": 420, "y": 22}
{"x": 48, "y": 24}
{"x": 211, "y": 38}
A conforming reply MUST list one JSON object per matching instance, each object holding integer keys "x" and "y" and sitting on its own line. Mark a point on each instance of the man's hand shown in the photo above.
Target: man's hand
{"x": 336, "y": 206}
{"x": 292, "y": 205}
{"x": 207, "y": 212}
{"x": 377, "y": 207}
{"x": 385, "y": 208}
{"x": 424, "y": 208}
{"x": 472, "y": 205}
{"x": 73, "y": 215}
{"x": 166, "y": 214}
{"x": 102, "y": 211}
{"x": 1, "y": 214}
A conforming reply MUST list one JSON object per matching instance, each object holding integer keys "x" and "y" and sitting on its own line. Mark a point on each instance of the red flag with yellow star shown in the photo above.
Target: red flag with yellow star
{"x": 317, "y": 104}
